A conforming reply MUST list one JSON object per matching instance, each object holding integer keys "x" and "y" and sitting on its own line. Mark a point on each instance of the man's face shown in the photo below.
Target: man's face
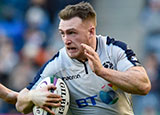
{"x": 73, "y": 33}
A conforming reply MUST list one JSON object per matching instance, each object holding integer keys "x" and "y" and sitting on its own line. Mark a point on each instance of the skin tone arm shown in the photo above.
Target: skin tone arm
{"x": 8, "y": 95}
{"x": 135, "y": 80}
{"x": 41, "y": 97}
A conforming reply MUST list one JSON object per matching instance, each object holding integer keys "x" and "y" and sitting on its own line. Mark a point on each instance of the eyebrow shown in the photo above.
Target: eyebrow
{"x": 67, "y": 29}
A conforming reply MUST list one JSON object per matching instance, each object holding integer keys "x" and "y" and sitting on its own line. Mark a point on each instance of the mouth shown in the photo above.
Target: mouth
{"x": 72, "y": 49}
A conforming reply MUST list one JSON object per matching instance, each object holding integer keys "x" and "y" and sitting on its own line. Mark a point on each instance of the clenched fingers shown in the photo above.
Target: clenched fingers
{"x": 48, "y": 110}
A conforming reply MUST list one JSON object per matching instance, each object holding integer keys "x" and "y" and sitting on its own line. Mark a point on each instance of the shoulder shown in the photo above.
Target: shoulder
{"x": 112, "y": 45}
{"x": 109, "y": 41}
{"x": 57, "y": 57}
{"x": 59, "y": 61}
{"x": 116, "y": 43}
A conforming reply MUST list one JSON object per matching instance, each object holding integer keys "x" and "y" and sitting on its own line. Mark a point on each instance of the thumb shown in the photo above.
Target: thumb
{"x": 51, "y": 87}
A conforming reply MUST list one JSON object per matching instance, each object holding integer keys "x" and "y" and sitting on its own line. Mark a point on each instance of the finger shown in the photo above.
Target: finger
{"x": 51, "y": 104}
{"x": 89, "y": 56}
{"x": 88, "y": 48}
{"x": 51, "y": 87}
{"x": 52, "y": 95}
{"x": 89, "y": 52}
{"x": 48, "y": 110}
{"x": 54, "y": 100}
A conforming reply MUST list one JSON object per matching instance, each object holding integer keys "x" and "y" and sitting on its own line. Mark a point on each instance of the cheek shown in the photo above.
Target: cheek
{"x": 77, "y": 40}
{"x": 80, "y": 39}
{"x": 83, "y": 39}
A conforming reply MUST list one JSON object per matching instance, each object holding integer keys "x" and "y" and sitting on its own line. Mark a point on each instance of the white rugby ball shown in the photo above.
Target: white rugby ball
{"x": 61, "y": 90}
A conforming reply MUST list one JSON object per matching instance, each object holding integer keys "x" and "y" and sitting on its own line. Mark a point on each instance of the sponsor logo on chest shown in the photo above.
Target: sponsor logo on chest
{"x": 71, "y": 77}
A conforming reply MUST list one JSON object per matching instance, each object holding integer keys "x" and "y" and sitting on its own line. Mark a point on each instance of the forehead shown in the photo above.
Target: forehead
{"x": 73, "y": 23}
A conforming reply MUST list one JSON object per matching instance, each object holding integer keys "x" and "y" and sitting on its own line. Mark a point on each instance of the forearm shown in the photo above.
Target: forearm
{"x": 8, "y": 95}
{"x": 11, "y": 97}
{"x": 133, "y": 81}
{"x": 24, "y": 103}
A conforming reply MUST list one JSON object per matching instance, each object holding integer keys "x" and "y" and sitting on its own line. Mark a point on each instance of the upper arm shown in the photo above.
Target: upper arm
{"x": 123, "y": 56}
{"x": 139, "y": 70}
{"x": 140, "y": 75}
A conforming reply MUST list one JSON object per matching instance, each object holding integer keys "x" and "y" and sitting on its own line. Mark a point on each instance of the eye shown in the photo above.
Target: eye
{"x": 71, "y": 32}
{"x": 62, "y": 33}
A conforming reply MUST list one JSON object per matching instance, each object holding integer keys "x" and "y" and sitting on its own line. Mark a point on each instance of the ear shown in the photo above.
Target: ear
{"x": 91, "y": 31}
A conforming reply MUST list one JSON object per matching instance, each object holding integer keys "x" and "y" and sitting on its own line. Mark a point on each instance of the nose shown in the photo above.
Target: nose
{"x": 67, "y": 41}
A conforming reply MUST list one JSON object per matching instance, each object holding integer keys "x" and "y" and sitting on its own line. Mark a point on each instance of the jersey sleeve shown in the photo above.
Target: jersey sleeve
{"x": 48, "y": 69}
{"x": 123, "y": 56}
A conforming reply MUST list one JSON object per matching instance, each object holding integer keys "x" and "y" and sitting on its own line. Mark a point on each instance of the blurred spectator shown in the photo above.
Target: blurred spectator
{"x": 8, "y": 57}
{"x": 149, "y": 104}
{"x": 36, "y": 16}
{"x": 152, "y": 67}
{"x": 150, "y": 21}
{"x": 12, "y": 26}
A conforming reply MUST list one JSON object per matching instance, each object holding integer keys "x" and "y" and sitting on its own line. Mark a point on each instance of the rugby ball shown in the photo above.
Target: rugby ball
{"x": 61, "y": 90}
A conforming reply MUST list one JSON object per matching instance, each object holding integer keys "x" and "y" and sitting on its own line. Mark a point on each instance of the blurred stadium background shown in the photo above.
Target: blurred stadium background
{"x": 29, "y": 37}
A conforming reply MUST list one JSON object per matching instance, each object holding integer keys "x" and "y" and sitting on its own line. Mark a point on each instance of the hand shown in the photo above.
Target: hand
{"x": 45, "y": 99}
{"x": 93, "y": 58}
